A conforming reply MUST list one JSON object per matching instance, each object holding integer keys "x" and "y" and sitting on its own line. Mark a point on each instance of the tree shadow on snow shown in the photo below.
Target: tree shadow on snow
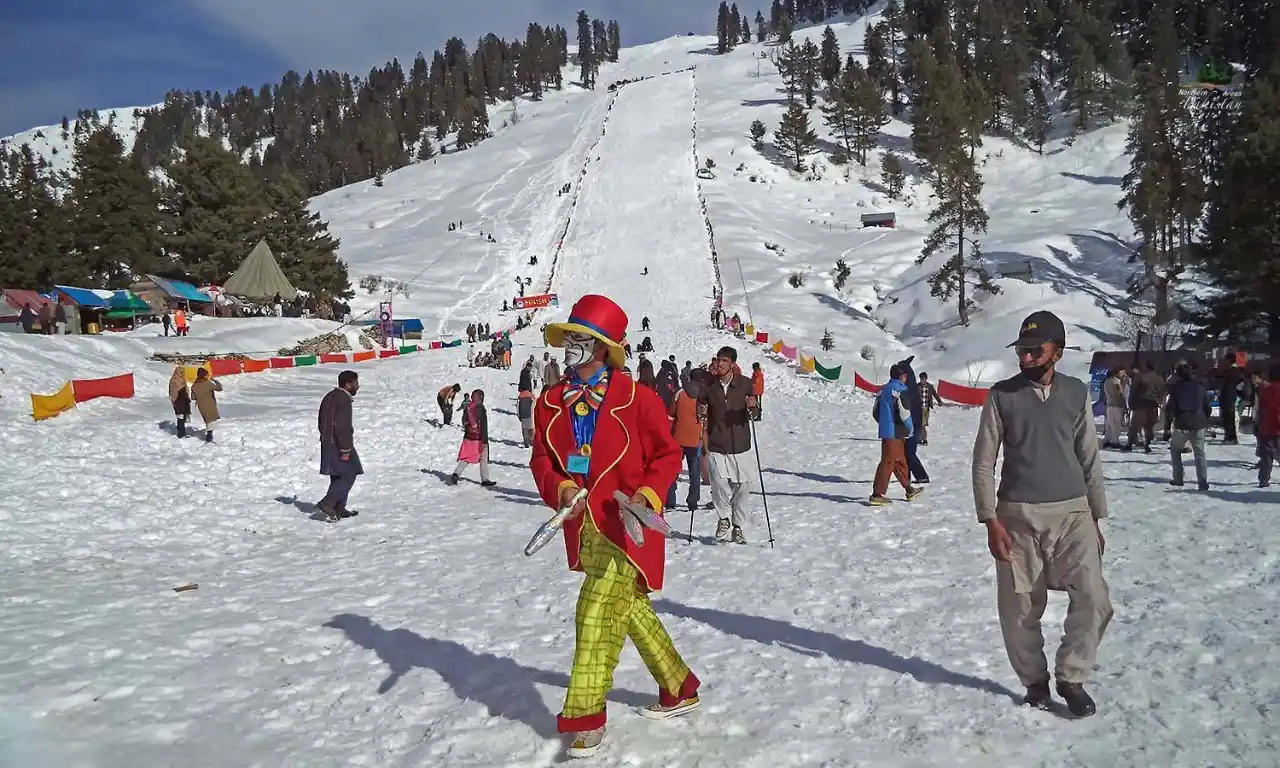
{"x": 1102, "y": 181}
{"x": 835, "y": 498}
{"x": 814, "y": 643}
{"x": 850, "y": 311}
{"x": 506, "y": 688}
{"x": 505, "y": 411}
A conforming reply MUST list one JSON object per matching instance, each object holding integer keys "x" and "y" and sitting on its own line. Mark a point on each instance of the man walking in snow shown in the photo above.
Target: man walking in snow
{"x": 1043, "y": 521}
{"x": 928, "y": 396}
{"x": 338, "y": 457}
{"x": 1113, "y": 401}
{"x": 726, "y": 402}
{"x": 914, "y": 465}
{"x": 1188, "y": 408}
{"x": 1145, "y": 395}
{"x": 550, "y": 371}
{"x": 893, "y": 415}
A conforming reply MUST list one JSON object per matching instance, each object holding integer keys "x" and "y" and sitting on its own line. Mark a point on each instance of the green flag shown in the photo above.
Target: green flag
{"x": 827, "y": 373}
{"x": 304, "y": 360}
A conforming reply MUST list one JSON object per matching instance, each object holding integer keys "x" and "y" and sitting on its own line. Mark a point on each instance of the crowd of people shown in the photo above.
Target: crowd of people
{"x": 1042, "y": 518}
{"x": 1142, "y": 400}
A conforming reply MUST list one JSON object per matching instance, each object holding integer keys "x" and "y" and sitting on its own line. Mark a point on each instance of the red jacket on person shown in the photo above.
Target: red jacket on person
{"x": 632, "y": 451}
{"x": 1269, "y": 410}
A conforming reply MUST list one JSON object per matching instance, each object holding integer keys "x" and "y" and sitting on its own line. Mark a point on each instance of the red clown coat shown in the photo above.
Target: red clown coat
{"x": 632, "y": 450}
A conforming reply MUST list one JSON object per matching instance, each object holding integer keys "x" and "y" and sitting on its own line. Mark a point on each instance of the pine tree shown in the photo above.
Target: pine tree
{"x": 829, "y": 58}
{"x": 785, "y": 27}
{"x": 722, "y": 28}
{"x": 426, "y": 150}
{"x": 615, "y": 40}
{"x": 957, "y": 109}
{"x": 746, "y": 29}
{"x": 761, "y": 31}
{"x": 115, "y": 222}
{"x": 734, "y": 29}
{"x": 1164, "y": 185}
{"x": 34, "y": 233}
{"x": 212, "y": 210}
{"x": 790, "y": 63}
{"x": 757, "y": 132}
{"x": 842, "y": 274}
{"x": 810, "y": 57}
{"x": 838, "y": 116}
{"x": 892, "y": 175}
{"x": 828, "y": 342}
{"x": 957, "y": 219}
{"x": 1241, "y": 255}
{"x": 586, "y": 51}
{"x": 868, "y": 111}
{"x": 1039, "y": 118}
{"x": 301, "y": 242}
{"x": 794, "y": 137}
{"x": 467, "y": 133}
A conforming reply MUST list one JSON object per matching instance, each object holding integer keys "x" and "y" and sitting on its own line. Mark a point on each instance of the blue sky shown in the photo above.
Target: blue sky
{"x": 60, "y": 56}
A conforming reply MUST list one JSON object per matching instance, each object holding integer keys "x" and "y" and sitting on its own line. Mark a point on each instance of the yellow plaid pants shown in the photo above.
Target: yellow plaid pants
{"x": 612, "y": 606}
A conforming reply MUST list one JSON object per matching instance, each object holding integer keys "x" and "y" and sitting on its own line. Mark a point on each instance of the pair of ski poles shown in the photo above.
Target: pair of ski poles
{"x": 763, "y": 493}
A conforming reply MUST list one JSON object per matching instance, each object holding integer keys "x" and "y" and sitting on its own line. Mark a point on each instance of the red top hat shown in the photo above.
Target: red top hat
{"x": 598, "y": 316}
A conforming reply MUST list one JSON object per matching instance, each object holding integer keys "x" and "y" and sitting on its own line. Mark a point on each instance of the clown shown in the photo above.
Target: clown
{"x": 597, "y": 430}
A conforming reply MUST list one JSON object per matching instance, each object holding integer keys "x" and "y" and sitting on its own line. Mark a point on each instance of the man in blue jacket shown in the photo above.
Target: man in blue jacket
{"x": 914, "y": 466}
{"x": 896, "y": 428}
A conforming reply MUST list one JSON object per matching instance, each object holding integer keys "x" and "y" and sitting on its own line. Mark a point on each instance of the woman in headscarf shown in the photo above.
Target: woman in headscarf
{"x": 180, "y": 398}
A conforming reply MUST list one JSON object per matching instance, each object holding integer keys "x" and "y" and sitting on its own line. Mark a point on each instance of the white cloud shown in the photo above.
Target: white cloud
{"x": 353, "y": 37}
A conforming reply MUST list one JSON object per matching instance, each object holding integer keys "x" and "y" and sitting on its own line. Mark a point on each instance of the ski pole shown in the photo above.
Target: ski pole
{"x": 763, "y": 494}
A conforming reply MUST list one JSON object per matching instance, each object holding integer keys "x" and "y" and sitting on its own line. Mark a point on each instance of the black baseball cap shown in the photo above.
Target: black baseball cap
{"x": 1040, "y": 327}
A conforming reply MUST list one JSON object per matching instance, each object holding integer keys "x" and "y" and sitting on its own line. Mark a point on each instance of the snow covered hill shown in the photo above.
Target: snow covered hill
{"x": 1053, "y": 213}
{"x": 417, "y": 634}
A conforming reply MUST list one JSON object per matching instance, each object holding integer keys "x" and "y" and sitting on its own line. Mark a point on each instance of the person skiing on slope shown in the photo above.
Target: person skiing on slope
{"x": 891, "y": 412}
{"x": 1044, "y": 520}
{"x": 630, "y": 451}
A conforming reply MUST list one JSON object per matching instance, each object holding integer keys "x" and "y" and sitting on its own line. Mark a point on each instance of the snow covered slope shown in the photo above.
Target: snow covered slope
{"x": 417, "y": 634}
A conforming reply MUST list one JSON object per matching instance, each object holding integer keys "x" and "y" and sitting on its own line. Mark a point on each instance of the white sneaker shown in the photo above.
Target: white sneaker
{"x": 586, "y": 743}
{"x": 656, "y": 711}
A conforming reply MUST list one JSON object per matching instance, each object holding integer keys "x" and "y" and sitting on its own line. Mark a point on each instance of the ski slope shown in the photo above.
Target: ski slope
{"x": 637, "y": 215}
{"x": 418, "y": 634}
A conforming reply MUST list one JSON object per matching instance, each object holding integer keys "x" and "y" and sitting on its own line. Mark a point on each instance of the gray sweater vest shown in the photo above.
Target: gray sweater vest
{"x": 1039, "y": 440}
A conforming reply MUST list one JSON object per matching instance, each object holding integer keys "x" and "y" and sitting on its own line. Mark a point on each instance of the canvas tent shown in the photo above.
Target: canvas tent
{"x": 260, "y": 277}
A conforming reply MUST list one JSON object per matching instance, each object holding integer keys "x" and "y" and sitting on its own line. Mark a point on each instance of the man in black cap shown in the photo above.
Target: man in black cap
{"x": 1043, "y": 520}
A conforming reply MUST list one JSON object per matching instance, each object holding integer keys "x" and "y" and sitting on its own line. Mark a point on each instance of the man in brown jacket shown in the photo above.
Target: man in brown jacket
{"x": 338, "y": 457}
{"x": 1146, "y": 393}
{"x": 725, "y": 404}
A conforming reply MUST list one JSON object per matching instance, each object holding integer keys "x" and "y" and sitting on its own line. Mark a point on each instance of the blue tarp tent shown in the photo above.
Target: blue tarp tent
{"x": 83, "y": 297}
{"x": 176, "y": 289}
{"x": 407, "y": 328}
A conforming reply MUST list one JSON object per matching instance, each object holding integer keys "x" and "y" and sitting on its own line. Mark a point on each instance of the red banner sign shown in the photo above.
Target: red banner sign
{"x": 534, "y": 302}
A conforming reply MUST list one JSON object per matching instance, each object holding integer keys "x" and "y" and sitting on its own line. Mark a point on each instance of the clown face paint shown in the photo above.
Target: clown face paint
{"x": 578, "y": 348}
